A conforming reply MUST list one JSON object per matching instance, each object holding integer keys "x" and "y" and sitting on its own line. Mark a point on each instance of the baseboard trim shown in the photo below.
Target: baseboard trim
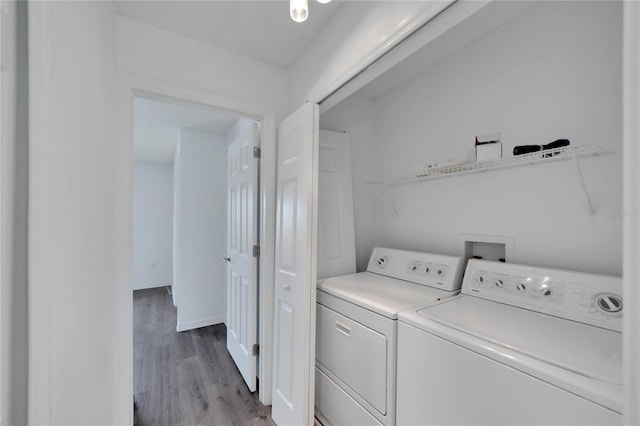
{"x": 200, "y": 323}
{"x": 150, "y": 285}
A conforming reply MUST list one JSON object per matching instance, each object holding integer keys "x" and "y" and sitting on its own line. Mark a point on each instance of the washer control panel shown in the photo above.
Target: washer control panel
{"x": 434, "y": 270}
{"x": 587, "y": 298}
{"x": 535, "y": 288}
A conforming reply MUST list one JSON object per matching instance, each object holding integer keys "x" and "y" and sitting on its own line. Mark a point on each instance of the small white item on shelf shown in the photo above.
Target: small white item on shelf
{"x": 492, "y": 137}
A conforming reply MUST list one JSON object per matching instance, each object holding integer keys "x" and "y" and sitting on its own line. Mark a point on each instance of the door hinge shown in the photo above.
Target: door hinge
{"x": 256, "y": 251}
{"x": 257, "y": 152}
{"x": 255, "y": 349}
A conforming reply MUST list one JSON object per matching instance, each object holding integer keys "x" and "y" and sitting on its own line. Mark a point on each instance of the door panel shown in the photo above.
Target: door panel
{"x": 288, "y": 232}
{"x": 242, "y": 266}
{"x": 294, "y": 311}
{"x": 336, "y": 235}
{"x": 285, "y": 378}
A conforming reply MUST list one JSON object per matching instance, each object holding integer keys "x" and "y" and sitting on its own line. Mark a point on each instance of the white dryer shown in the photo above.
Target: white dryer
{"x": 519, "y": 345}
{"x": 357, "y": 326}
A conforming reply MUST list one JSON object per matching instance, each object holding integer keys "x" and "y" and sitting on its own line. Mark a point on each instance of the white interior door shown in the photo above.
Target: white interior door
{"x": 295, "y": 274}
{"x": 336, "y": 235}
{"x": 242, "y": 265}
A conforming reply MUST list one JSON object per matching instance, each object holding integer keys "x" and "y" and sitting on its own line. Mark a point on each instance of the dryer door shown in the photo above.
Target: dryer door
{"x": 354, "y": 354}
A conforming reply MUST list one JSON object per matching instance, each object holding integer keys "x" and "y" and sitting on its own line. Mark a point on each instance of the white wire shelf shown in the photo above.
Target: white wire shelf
{"x": 546, "y": 156}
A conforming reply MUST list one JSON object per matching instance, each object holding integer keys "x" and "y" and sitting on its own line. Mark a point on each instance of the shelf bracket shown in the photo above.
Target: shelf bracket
{"x": 384, "y": 200}
{"x": 583, "y": 184}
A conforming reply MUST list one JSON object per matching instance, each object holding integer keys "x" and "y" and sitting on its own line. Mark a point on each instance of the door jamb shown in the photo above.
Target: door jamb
{"x": 130, "y": 86}
{"x": 631, "y": 226}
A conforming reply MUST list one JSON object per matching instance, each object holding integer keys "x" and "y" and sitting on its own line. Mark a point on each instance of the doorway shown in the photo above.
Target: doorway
{"x": 132, "y": 88}
{"x": 181, "y": 197}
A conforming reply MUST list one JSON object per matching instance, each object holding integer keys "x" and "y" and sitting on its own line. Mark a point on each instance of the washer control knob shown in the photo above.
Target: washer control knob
{"x": 427, "y": 270}
{"x": 480, "y": 279}
{"x": 545, "y": 291}
{"x": 609, "y": 303}
{"x": 382, "y": 261}
{"x": 521, "y": 287}
{"x": 499, "y": 283}
{"x": 414, "y": 267}
{"x": 441, "y": 272}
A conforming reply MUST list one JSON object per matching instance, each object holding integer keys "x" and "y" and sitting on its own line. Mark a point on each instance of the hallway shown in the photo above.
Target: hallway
{"x": 186, "y": 378}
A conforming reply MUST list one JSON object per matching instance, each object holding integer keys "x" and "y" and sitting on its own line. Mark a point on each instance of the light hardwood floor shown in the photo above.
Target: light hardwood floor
{"x": 186, "y": 378}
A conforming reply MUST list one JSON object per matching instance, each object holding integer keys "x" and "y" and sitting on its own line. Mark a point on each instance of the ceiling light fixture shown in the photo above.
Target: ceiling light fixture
{"x": 299, "y": 9}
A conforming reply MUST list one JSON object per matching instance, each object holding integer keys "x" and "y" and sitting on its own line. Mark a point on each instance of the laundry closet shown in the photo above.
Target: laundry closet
{"x": 526, "y": 73}
{"x": 551, "y": 71}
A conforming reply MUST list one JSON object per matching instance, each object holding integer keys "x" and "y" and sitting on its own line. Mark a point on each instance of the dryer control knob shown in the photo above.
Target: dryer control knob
{"x": 480, "y": 279}
{"x": 382, "y": 261}
{"x": 499, "y": 283}
{"x": 521, "y": 287}
{"x": 545, "y": 291}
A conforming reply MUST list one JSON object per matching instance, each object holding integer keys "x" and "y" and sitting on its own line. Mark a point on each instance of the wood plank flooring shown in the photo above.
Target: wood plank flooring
{"x": 186, "y": 378}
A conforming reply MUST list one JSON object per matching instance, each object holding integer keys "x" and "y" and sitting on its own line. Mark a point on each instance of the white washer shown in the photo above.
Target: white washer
{"x": 519, "y": 345}
{"x": 357, "y": 326}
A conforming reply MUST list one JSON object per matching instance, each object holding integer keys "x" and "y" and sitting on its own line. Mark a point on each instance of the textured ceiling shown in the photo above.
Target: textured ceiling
{"x": 259, "y": 29}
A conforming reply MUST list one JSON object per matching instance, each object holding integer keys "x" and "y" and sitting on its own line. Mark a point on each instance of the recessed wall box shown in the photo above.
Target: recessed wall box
{"x": 487, "y": 247}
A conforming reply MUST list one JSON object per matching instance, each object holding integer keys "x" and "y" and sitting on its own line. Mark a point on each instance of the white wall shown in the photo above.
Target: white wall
{"x": 150, "y": 52}
{"x": 176, "y": 64}
{"x": 554, "y": 72}
{"x": 13, "y": 215}
{"x": 8, "y": 97}
{"x": 203, "y": 229}
{"x": 240, "y": 126}
{"x": 72, "y": 221}
{"x": 534, "y": 88}
{"x": 152, "y": 225}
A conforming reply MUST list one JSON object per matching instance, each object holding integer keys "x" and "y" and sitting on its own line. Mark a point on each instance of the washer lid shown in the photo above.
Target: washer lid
{"x": 584, "y": 359}
{"x": 383, "y": 295}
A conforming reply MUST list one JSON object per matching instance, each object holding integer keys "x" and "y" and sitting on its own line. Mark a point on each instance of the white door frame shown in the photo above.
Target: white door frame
{"x": 130, "y": 86}
{"x": 631, "y": 181}
{"x": 295, "y": 268}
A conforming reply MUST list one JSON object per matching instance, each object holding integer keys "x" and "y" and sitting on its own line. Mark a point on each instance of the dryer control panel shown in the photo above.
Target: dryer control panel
{"x": 434, "y": 270}
{"x": 587, "y": 298}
